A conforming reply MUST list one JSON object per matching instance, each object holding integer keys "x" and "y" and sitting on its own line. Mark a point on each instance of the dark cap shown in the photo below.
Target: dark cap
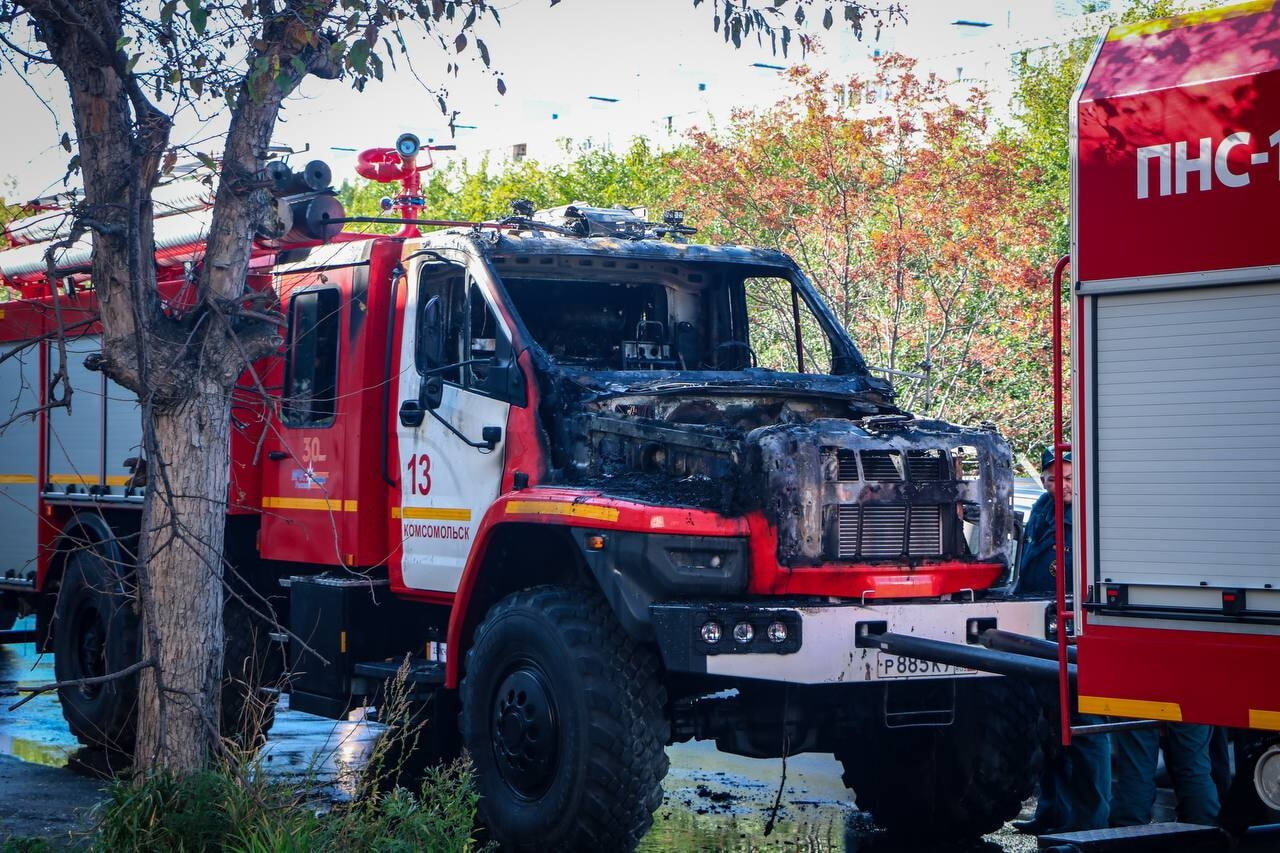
{"x": 1046, "y": 458}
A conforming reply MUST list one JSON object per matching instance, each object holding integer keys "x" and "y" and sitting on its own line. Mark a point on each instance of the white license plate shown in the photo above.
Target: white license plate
{"x": 892, "y": 666}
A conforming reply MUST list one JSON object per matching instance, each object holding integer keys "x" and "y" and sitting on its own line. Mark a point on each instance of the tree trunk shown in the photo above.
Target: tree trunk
{"x": 180, "y": 582}
{"x": 183, "y": 365}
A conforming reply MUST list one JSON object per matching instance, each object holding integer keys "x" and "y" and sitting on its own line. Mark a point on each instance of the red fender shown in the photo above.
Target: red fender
{"x": 567, "y": 507}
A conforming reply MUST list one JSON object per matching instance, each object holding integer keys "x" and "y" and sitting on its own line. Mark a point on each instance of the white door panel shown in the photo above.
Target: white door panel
{"x": 445, "y": 485}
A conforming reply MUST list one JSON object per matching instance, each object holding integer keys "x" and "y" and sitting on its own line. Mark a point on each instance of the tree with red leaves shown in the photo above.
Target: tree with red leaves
{"x": 913, "y": 217}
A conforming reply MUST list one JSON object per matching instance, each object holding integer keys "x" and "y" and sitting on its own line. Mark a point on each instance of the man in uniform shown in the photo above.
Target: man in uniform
{"x": 1186, "y": 753}
{"x": 1075, "y": 787}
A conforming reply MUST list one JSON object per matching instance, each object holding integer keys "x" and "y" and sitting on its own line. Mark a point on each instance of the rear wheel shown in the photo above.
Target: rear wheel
{"x": 563, "y": 717}
{"x": 96, "y": 634}
{"x": 956, "y": 781}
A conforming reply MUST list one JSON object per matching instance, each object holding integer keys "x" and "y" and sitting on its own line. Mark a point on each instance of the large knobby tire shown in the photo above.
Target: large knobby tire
{"x": 958, "y": 781}
{"x": 95, "y": 634}
{"x": 563, "y": 716}
{"x": 97, "y": 631}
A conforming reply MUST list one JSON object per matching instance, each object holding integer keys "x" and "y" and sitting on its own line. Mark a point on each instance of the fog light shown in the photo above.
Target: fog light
{"x": 716, "y": 561}
{"x": 777, "y": 632}
{"x": 710, "y": 632}
{"x": 743, "y": 632}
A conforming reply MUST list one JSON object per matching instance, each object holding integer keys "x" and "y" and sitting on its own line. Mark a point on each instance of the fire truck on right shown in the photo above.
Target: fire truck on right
{"x": 1175, "y": 376}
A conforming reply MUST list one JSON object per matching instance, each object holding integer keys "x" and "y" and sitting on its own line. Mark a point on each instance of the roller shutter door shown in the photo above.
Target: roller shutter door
{"x": 19, "y": 457}
{"x": 1187, "y": 467}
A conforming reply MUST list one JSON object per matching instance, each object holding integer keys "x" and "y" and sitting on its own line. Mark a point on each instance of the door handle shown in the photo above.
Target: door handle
{"x": 277, "y": 455}
{"x": 412, "y": 413}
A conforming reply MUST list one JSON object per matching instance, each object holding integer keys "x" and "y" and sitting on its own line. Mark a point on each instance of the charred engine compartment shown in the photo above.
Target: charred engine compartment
{"x": 838, "y": 487}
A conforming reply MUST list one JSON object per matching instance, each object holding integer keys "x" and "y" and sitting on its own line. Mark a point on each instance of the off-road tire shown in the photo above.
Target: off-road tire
{"x": 96, "y": 608}
{"x": 954, "y": 782}
{"x": 594, "y": 781}
{"x": 95, "y": 634}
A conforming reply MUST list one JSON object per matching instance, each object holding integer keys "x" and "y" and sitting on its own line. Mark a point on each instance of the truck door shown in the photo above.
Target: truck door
{"x": 453, "y": 346}
{"x": 304, "y": 497}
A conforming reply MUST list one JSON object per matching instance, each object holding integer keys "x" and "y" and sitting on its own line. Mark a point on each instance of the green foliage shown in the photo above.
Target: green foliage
{"x": 234, "y": 808}
{"x": 1042, "y": 100}
{"x": 8, "y": 213}
{"x": 917, "y": 227}
{"x": 641, "y": 175}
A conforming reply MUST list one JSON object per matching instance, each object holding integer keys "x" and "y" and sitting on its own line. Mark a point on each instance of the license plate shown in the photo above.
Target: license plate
{"x": 892, "y": 666}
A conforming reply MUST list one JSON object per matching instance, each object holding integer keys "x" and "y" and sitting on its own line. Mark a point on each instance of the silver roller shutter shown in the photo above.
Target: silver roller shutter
{"x": 19, "y": 458}
{"x": 1187, "y": 390}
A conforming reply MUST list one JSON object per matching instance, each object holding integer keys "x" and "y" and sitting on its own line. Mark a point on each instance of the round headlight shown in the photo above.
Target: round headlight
{"x": 743, "y": 632}
{"x": 777, "y": 632}
{"x": 710, "y": 632}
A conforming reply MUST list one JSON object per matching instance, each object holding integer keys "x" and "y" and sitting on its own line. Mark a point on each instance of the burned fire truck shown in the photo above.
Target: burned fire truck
{"x": 606, "y": 489}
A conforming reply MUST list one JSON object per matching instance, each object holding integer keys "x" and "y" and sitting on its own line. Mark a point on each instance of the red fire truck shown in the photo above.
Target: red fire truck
{"x": 606, "y": 488}
{"x": 1175, "y": 366}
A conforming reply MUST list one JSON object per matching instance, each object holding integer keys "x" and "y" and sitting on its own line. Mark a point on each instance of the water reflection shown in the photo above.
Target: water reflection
{"x": 35, "y": 751}
{"x": 325, "y": 753}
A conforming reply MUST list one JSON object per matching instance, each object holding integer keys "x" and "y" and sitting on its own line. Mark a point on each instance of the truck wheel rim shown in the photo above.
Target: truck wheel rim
{"x": 525, "y": 731}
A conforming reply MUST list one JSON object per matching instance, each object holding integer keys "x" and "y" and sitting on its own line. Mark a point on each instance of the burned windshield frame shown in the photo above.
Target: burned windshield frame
{"x": 639, "y": 328}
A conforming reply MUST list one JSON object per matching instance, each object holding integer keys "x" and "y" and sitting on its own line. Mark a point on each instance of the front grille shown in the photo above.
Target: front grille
{"x": 846, "y": 466}
{"x": 881, "y": 465}
{"x": 925, "y": 537}
{"x": 884, "y": 531}
{"x": 887, "y": 466}
{"x": 848, "y": 525}
{"x": 927, "y": 465}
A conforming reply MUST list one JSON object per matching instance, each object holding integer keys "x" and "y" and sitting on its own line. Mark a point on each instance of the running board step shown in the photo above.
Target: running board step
{"x": 420, "y": 671}
{"x": 1187, "y": 837}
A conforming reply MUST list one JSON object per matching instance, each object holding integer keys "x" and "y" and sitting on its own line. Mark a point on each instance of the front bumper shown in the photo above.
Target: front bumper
{"x": 822, "y": 646}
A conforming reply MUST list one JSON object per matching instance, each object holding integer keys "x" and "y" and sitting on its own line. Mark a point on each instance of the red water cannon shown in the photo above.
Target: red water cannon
{"x": 389, "y": 165}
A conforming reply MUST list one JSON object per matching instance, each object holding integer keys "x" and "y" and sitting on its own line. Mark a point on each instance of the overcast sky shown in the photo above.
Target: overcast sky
{"x": 659, "y": 59}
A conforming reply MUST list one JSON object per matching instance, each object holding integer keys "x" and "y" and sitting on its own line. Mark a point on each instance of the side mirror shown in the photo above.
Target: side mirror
{"x": 431, "y": 331}
{"x": 431, "y": 392}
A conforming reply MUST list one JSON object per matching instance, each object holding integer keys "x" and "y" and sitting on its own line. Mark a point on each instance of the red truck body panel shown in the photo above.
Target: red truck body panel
{"x": 1176, "y": 180}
